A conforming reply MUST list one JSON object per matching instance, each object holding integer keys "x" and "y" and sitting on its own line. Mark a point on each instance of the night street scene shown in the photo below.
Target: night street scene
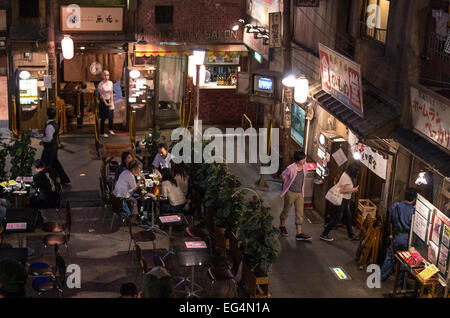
{"x": 223, "y": 154}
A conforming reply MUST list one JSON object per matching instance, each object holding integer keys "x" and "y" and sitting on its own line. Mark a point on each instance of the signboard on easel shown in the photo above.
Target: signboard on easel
{"x": 430, "y": 236}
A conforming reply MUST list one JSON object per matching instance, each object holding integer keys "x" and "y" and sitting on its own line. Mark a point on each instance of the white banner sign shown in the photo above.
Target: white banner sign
{"x": 373, "y": 160}
{"x": 275, "y": 29}
{"x": 91, "y": 19}
{"x": 341, "y": 78}
{"x": 431, "y": 115}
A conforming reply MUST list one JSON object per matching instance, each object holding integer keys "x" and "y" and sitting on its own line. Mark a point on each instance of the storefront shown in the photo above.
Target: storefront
{"x": 425, "y": 149}
{"x": 171, "y": 79}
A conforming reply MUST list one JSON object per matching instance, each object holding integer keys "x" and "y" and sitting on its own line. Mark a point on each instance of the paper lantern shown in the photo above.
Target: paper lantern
{"x": 67, "y": 47}
{"x": 301, "y": 90}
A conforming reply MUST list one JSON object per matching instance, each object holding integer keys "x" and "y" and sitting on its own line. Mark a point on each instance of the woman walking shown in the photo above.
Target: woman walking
{"x": 106, "y": 108}
{"x": 347, "y": 187}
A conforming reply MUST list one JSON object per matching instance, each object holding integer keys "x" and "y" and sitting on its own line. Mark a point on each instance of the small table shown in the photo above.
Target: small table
{"x": 192, "y": 258}
{"x": 15, "y": 216}
{"x": 171, "y": 220}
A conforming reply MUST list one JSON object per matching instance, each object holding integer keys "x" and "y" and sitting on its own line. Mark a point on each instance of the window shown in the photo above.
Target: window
{"x": 163, "y": 14}
{"x": 374, "y": 19}
{"x": 29, "y": 8}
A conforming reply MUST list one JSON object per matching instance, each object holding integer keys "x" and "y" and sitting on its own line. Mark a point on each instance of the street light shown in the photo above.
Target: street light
{"x": 67, "y": 47}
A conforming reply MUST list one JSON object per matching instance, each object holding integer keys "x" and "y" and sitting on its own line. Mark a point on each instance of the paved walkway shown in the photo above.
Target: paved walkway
{"x": 301, "y": 269}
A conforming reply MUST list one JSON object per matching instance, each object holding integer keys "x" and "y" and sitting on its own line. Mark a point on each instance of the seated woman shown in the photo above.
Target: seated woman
{"x": 126, "y": 186}
{"x": 48, "y": 187}
{"x": 181, "y": 177}
{"x": 126, "y": 159}
{"x": 174, "y": 194}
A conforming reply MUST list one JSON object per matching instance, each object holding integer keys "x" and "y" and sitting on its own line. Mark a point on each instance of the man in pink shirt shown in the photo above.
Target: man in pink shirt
{"x": 293, "y": 189}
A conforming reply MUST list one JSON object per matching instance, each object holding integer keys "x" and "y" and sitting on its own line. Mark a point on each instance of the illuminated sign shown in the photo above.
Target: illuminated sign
{"x": 258, "y": 57}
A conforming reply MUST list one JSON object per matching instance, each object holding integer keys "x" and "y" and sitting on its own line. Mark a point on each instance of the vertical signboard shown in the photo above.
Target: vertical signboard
{"x": 431, "y": 115}
{"x": 275, "y": 30}
{"x": 341, "y": 78}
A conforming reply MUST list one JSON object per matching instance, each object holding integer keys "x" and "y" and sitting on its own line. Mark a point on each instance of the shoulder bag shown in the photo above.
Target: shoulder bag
{"x": 334, "y": 195}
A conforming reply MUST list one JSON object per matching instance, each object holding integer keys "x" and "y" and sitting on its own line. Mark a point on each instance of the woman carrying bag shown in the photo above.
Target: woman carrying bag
{"x": 340, "y": 196}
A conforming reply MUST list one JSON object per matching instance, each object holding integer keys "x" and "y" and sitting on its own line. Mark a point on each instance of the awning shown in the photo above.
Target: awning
{"x": 178, "y": 50}
{"x": 379, "y": 111}
{"x": 430, "y": 153}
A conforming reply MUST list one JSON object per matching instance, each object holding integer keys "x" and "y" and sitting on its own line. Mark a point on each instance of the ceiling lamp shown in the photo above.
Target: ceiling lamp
{"x": 67, "y": 47}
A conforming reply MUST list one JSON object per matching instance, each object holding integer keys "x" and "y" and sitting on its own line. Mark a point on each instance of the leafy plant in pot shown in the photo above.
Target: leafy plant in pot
{"x": 257, "y": 236}
{"x": 22, "y": 155}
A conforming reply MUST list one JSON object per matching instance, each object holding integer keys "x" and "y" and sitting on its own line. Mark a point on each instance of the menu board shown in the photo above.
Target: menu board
{"x": 28, "y": 92}
{"x": 138, "y": 92}
{"x": 431, "y": 234}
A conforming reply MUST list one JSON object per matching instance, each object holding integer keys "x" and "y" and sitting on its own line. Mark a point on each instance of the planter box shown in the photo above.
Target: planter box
{"x": 257, "y": 287}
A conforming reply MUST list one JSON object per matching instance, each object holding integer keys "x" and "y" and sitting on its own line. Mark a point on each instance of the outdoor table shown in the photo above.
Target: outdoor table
{"x": 171, "y": 220}
{"x": 14, "y": 218}
{"x": 192, "y": 258}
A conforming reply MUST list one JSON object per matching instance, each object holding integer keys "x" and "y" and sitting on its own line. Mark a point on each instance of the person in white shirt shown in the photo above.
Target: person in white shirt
{"x": 162, "y": 159}
{"x": 106, "y": 108}
{"x": 171, "y": 191}
{"x": 347, "y": 188}
{"x": 126, "y": 185}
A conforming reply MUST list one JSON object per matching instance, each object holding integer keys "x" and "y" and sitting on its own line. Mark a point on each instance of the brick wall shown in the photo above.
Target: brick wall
{"x": 221, "y": 106}
{"x": 202, "y": 21}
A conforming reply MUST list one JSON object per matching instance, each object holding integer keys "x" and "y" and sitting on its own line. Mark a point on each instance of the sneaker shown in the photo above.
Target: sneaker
{"x": 105, "y": 135}
{"x": 353, "y": 237}
{"x": 283, "y": 231}
{"x": 112, "y": 133}
{"x": 303, "y": 237}
{"x": 326, "y": 238}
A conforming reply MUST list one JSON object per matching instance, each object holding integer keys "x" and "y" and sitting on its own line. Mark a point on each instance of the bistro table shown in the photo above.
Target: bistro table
{"x": 192, "y": 257}
{"x": 21, "y": 221}
{"x": 18, "y": 191}
{"x": 171, "y": 220}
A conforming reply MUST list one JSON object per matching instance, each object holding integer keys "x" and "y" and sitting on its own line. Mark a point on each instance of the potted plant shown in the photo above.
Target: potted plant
{"x": 22, "y": 155}
{"x": 258, "y": 245}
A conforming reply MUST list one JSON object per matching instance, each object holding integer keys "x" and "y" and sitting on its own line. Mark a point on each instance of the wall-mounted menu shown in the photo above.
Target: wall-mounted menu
{"x": 28, "y": 92}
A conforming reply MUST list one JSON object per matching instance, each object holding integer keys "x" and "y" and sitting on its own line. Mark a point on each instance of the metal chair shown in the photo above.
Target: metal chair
{"x": 57, "y": 227}
{"x": 141, "y": 236}
{"x": 59, "y": 238}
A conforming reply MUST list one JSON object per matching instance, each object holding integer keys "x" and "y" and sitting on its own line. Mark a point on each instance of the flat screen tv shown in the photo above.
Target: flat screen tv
{"x": 263, "y": 85}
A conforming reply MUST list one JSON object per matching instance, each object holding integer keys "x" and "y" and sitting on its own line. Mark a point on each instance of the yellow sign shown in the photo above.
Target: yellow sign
{"x": 428, "y": 272}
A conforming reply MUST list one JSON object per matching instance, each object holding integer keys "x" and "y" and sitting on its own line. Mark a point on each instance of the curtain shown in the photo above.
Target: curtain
{"x": 171, "y": 86}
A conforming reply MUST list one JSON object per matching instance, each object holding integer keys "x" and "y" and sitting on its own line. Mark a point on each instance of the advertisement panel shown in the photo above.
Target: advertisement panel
{"x": 341, "y": 78}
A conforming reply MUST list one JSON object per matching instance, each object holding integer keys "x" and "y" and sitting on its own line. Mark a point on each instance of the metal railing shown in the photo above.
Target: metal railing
{"x": 435, "y": 49}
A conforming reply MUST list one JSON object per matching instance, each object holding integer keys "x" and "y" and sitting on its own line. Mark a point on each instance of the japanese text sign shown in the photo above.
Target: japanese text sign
{"x": 275, "y": 29}
{"x": 431, "y": 115}
{"x": 373, "y": 160}
{"x": 341, "y": 78}
{"x": 91, "y": 19}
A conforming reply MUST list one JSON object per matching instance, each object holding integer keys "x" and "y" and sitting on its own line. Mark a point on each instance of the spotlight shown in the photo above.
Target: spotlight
{"x": 421, "y": 178}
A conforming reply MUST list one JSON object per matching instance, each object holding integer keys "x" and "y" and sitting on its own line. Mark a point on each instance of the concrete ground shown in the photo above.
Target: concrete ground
{"x": 301, "y": 269}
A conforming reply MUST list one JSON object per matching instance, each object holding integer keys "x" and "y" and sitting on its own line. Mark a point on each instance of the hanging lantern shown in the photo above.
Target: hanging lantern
{"x": 67, "y": 47}
{"x": 289, "y": 81}
{"x": 301, "y": 90}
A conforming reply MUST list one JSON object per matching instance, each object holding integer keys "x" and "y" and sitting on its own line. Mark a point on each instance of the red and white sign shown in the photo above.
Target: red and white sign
{"x": 16, "y": 226}
{"x": 341, "y": 78}
{"x": 431, "y": 115}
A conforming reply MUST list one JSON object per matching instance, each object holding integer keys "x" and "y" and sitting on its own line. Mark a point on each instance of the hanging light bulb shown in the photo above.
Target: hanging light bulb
{"x": 289, "y": 81}
{"x": 301, "y": 90}
{"x": 67, "y": 47}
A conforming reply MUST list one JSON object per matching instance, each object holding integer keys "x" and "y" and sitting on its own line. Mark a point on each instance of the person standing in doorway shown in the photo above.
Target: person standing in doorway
{"x": 50, "y": 142}
{"x": 106, "y": 109}
{"x": 293, "y": 189}
{"x": 347, "y": 188}
{"x": 401, "y": 218}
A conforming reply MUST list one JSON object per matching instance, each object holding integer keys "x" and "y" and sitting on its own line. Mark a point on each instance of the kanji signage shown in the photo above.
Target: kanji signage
{"x": 431, "y": 115}
{"x": 275, "y": 30}
{"x": 307, "y": 3}
{"x": 91, "y": 19}
{"x": 373, "y": 160}
{"x": 341, "y": 78}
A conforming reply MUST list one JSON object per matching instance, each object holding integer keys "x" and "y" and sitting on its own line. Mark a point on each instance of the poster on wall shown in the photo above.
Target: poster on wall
{"x": 76, "y": 18}
{"x": 432, "y": 254}
{"x": 446, "y": 235}
{"x": 373, "y": 160}
{"x": 341, "y": 78}
{"x": 443, "y": 259}
{"x": 438, "y": 221}
{"x": 298, "y": 119}
{"x": 420, "y": 227}
{"x": 431, "y": 115}
{"x": 260, "y": 9}
{"x": 422, "y": 209}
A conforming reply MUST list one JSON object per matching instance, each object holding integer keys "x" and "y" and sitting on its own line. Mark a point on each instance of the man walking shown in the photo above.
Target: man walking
{"x": 401, "y": 217}
{"x": 50, "y": 152}
{"x": 293, "y": 189}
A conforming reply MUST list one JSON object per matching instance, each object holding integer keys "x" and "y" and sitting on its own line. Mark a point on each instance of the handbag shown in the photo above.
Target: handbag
{"x": 334, "y": 195}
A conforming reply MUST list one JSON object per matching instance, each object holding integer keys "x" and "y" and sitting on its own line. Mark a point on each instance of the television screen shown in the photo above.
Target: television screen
{"x": 265, "y": 83}
{"x": 298, "y": 120}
